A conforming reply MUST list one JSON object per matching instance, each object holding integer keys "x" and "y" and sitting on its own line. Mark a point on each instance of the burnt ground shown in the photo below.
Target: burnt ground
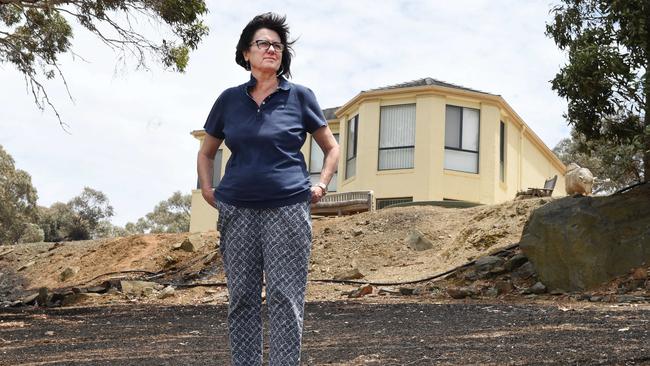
{"x": 336, "y": 333}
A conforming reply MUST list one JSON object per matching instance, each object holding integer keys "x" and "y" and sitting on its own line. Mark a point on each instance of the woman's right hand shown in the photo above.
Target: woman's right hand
{"x": 208, "y": 196}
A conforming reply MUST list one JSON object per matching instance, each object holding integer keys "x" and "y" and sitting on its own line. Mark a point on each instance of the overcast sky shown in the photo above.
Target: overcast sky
{"x": 130, "y": 130}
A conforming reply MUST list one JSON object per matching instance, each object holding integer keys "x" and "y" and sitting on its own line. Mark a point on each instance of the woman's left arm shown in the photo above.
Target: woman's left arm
{"x": 330, "y": 147}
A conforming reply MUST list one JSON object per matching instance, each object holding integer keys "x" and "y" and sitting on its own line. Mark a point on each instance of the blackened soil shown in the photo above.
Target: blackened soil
{"x": 335, "y": 333}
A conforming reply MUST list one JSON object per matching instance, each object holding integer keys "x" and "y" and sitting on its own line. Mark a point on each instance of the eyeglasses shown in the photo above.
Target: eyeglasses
{"x": 264, "y": 45}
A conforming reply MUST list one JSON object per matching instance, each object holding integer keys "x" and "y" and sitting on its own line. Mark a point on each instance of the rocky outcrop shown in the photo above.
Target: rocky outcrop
{"x": 576, "y": 243}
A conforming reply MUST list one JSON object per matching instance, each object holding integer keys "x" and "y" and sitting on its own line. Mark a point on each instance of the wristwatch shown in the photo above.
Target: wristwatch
{"x": 323, "y": 186}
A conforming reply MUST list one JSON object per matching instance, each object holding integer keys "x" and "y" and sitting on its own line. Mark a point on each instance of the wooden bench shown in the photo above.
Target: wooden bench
{"x": 549, "y": 186}
{"x": 345, "y": 203}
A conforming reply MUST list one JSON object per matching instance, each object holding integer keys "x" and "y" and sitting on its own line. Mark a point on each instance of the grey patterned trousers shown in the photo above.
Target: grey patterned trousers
{"x": 276, "y": 242}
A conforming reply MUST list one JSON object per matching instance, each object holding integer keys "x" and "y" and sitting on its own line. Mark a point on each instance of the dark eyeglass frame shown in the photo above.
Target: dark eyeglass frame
{"x": 265, "y": 45}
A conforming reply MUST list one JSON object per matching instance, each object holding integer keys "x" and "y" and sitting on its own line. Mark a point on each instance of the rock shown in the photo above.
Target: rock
{"x": 357, "y": 232}
{"x": 406, "y": 291}
{"x": 169, "y": 260}
{"x": 138, "y": 288}
{"x": 578, "y": 180}
{"x": 361, "y": 291}
{"x": 177, "y": 246}
{"x": 578, "y": 243}
{"x": 77, "y": 298}
{"x": 96, "y": 289}
{"x": 503, "y": 287}
{"x": 25, "y": 266}
{"x": 488, "y": 265}
{"x": 327, "y": 230}
{"x": 515, "y": 262}
{"x": 524, "y": 272}
{"x": 417, "y": 241}
{"x": 491, "y": 292}
{"x": 49, "y": 333}
{"x": 387, "y": 290}
{"x": 43, "y": 296}
{"x": 166, "y": 292}
{"x": 460, "y": 292}
{"x": 30, "y": 299}
{"x": 537, "y": 288}
{"x": 352, "y": 274}
{"x": 68, "y": 272}
{"x": 192, "y": 243}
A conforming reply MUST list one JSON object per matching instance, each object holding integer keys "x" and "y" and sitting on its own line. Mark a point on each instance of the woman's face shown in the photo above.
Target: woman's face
{"x": 265, "y": 60}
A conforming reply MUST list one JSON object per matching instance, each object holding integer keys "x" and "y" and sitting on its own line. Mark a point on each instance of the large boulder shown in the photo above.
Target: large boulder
{"x": 577, "y": 243}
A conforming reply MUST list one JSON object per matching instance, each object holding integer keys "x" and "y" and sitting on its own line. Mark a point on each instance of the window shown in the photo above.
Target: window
{"x": 502, "y": 151}
{"x": 385, "y": 202}
{"x": 396, "y": 136}
{"x": 351, "y": 149}
{"x": 461, "y": 139}
{"x": 316, "y": 158}
{"x": 216, "y": 173}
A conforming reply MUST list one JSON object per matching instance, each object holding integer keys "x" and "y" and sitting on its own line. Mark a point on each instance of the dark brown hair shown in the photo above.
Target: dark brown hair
{"x": 274, "y": 22}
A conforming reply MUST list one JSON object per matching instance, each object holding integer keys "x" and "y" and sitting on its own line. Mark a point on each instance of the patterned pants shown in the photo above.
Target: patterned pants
{"x": 276, "y": 242}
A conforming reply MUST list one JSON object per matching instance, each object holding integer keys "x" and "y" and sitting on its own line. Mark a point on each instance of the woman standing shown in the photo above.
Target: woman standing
{"x": 265, "y": 194}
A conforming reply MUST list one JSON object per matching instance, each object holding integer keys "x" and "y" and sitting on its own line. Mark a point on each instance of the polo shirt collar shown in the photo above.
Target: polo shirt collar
{"x": 283, "y": 84}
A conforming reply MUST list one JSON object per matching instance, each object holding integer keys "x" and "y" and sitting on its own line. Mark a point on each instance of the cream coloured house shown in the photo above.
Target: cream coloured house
{"x": 423, "y": 140}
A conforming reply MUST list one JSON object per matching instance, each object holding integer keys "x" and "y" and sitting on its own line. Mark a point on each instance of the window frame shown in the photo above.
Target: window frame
{"x": 395, "y": 147}
{"x": 460, "y": 138}
{"x": 354, "y": 120}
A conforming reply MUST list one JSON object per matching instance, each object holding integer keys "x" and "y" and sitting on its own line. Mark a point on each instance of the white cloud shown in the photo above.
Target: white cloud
{"x": 130, "y": 129}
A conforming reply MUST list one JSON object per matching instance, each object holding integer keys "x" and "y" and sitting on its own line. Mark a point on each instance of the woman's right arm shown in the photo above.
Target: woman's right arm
{"x": 204, "y": 167}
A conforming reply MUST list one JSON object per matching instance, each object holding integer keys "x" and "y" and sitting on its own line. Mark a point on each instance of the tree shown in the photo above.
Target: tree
{"x": 169, "y": 216}
{"x": 17, "y": 200}
{"x": 606, "y": 80}
{"x": 33, "y": 33}
{"x": 615, "y": 166}
{"x": 83, "y": 217}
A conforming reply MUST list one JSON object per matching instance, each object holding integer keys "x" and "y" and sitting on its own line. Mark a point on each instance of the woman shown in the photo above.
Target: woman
{"x": 265, "y": 194}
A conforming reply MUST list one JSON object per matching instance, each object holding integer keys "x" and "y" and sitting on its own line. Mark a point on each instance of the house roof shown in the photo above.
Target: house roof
{"x": 425, "y": 82}
{"x": 329, "y": 113}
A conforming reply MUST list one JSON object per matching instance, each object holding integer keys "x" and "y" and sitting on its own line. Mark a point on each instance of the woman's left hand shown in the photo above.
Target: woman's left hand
{"x": 316, "y": 194}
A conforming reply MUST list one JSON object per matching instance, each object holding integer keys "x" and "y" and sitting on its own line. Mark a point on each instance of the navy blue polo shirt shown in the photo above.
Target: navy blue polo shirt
{"x": 266, "y": 168}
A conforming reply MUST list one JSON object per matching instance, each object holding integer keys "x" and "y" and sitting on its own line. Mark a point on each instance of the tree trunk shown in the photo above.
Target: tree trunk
{"x": 646, "y": 90}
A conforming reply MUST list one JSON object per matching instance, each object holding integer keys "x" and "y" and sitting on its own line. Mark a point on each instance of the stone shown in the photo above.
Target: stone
{"x": 169, "y": 260}
{"x": 30, "y": 299}
{"x": 138, "y": 288}
{"x": 388, "y": 290}
{"x": 352, "y": 274}
{"x": 491, "y": 292}
{"x": 504, "y": 287}
{"x": 417, "y": 241}
{"x": 515, "y": 262}
{"x": 361, "y": 291}
{"x": 537, "y": 288}
{"x": 460, "y": 292}
{"x": 488, "y": 265}
{"x": 43, "y": 296}
{"x": 96, "y": 289}
{"x": 578, "y": 243}
{"x": 192, "y": 243}
{"x": 526, "y": 271}
{"x": 67, "y": 273}
{"x": 357, "y": 232}
{"x": 166, "y": 292}
{"x": 77, "y": 298}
